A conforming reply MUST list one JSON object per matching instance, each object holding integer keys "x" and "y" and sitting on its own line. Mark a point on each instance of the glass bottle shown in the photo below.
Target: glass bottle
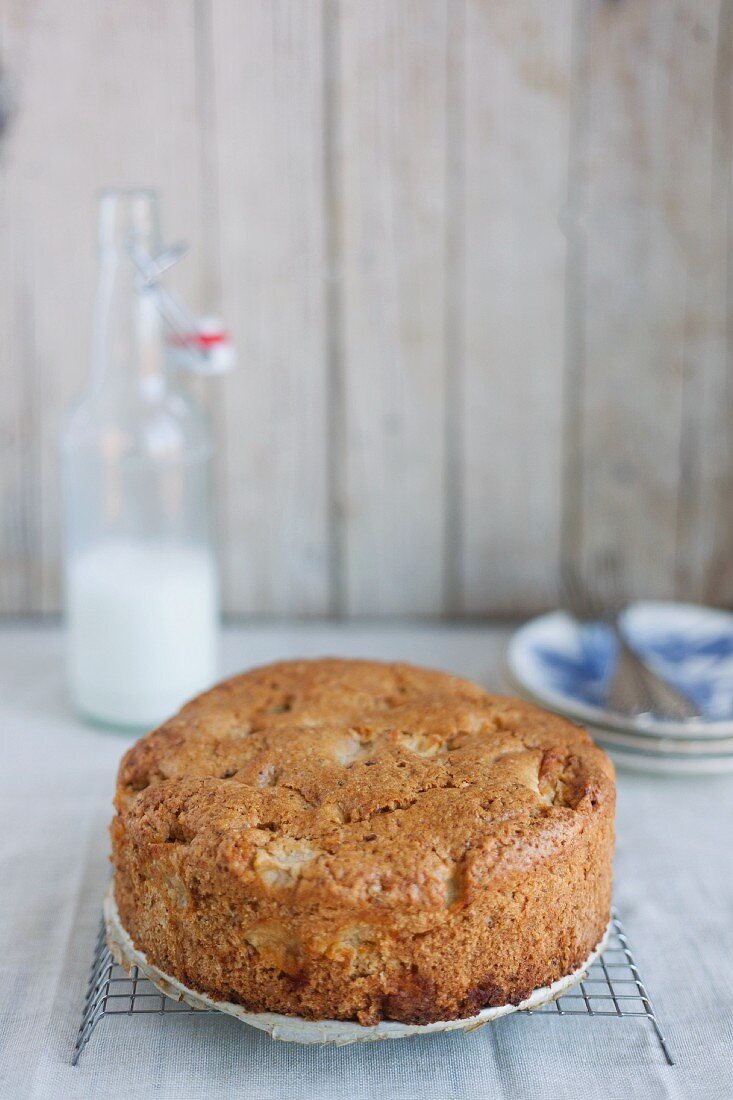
{"x": 140, "y": 566}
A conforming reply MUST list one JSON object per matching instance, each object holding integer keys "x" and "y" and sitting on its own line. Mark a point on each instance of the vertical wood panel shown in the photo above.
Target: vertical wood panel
{"x": 517, "y": 63}
{"x": 392, "y": 139}
{"x": 20, "y": 519}
{"x": 707, "y": 508}
{"x": 106, "y": 96}
{"x": 268, "y": 67}
{"x": 466, "y": 248}
{"x": 653, "y": 334}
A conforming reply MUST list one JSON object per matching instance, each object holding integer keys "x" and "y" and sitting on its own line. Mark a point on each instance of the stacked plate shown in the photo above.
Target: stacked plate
{"x": 567, "y": 667}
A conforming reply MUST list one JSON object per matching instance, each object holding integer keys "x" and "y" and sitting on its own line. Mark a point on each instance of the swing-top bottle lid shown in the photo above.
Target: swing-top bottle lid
{"x": 206, "y": 349}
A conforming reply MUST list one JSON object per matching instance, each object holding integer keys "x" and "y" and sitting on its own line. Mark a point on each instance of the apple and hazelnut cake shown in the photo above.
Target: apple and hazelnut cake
{"x": 352, "y": 840}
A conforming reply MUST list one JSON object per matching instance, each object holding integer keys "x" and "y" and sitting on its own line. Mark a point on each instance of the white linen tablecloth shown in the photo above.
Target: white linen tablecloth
{"x": 674, "y": 889}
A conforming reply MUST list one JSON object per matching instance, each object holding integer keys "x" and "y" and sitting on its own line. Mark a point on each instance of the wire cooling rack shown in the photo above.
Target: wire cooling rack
{"x": 612, "y": 987}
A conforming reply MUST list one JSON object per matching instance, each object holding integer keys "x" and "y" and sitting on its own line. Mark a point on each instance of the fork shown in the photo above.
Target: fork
{"x": 635, "y": 689}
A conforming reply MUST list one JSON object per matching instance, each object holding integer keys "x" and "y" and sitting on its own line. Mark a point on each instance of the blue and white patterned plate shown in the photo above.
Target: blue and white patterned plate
{"x": 567, "y": 666}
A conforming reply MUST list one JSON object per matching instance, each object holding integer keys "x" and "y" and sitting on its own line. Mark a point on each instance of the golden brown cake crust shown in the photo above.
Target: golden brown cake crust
{"x": 354, "y": 840}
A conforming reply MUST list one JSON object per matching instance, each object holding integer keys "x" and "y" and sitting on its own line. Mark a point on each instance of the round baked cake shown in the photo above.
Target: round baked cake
{"x": 361, "y": 841}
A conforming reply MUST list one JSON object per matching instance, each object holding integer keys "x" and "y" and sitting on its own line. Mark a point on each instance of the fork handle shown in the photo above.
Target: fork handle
{"x": 637, "y": 689}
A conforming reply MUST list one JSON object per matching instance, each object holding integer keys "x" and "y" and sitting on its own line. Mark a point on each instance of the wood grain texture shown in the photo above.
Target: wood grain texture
{"x": 269, "y": 99}
{"x": 652, "y": 327}
{"x": 710, "y": 569}
{"x": 106, "y": 97}
{"x": 20, "y": 541}
{"x": 701, "y": 165}
{"x": 476, "y": 259}
{"x": 517, "y": 61}
{"x": 391, "y": 141}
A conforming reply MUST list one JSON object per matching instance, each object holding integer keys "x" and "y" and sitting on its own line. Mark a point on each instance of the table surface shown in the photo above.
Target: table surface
{"x": 674, "y": 889}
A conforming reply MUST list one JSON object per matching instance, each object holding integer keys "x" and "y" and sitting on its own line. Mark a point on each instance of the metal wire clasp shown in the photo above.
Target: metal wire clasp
{"x": 202, "y": 344}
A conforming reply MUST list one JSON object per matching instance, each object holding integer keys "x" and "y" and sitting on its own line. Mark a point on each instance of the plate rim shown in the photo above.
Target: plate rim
{"x": 656, "y": 764}
{"x": 586, "y": 713}
{"x": 644, "y": 739}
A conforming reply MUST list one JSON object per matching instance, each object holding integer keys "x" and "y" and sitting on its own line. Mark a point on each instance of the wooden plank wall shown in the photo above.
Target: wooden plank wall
{"x": 475, "y": 256}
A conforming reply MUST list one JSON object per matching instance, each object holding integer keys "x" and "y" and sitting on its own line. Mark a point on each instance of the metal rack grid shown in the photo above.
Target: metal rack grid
{"x": 612, "y": 987}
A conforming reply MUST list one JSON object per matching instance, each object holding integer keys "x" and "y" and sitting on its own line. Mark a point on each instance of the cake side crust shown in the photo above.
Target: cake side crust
{"x": 338, "y": 1032}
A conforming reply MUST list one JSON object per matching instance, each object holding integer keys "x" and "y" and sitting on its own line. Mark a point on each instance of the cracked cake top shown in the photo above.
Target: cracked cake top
{"x": 360, "y": 783}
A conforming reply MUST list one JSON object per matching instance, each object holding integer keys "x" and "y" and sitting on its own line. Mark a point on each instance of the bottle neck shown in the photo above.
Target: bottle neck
{"x": 128, "y": 344}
